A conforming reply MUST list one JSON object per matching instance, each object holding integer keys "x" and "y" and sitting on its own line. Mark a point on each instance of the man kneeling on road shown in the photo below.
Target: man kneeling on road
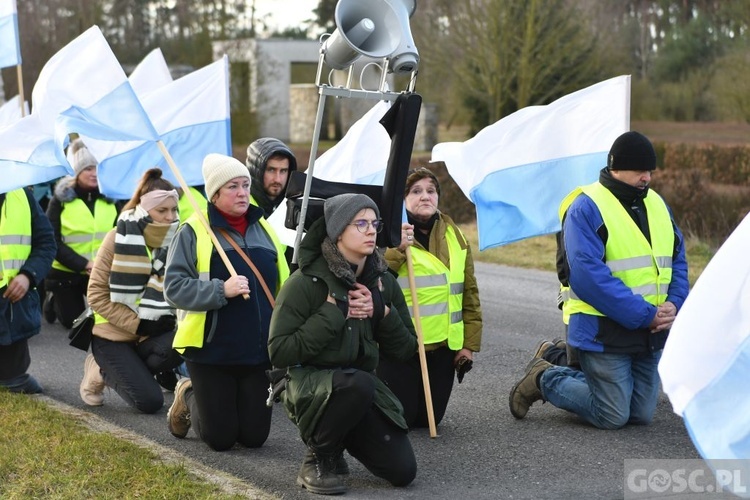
{"x": 628, "y": 278}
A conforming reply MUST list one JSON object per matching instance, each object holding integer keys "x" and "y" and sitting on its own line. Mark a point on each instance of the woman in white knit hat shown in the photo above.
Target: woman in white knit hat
{"x": 223, "y": 332}
{"x": 80, "y": 216}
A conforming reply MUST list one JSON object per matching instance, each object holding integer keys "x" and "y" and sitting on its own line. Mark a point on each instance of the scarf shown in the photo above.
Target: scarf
{"x": 137, "y": 273}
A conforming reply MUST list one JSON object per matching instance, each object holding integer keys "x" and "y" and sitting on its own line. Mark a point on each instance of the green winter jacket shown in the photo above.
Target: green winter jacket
{"x": 313, "y": 337}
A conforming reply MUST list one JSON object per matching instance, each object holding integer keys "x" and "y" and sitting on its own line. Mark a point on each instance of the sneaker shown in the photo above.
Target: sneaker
{"x": 48, "y": 309}
{"x": 178, "y": 416}
{"x": 526, "y": 391}
{"x": 92, "y": 385}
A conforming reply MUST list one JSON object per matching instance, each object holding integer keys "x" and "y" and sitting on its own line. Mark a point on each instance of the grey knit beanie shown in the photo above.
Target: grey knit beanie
{"x": 340, "y": 210}
{"x": 80, "y": 157}
{"x": 219, "y": 169}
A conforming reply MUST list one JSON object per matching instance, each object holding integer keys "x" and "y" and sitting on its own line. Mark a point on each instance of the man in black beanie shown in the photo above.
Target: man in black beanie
{"x": 624, "y": 277}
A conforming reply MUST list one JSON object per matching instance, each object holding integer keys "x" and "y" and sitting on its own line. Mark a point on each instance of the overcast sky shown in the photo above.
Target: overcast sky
{"x": 286, "y": 13}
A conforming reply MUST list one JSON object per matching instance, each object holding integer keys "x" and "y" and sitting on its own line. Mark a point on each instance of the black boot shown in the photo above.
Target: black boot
{"x": 340, "y": 467}
{"x": 317, "y": 474}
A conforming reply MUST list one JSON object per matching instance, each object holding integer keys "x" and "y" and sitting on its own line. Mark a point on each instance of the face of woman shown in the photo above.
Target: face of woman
{"x": 354, "y": 244}
{"x": 165, "y": 212}
{"x": 422, "y": 199}
{"x": 87, "y": 179}
{"x": 233, "y": 198}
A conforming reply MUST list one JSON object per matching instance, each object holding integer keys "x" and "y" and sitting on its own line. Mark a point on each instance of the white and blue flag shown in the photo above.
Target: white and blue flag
{"x": 10, "y": 46}
{"x": 518, "y": 170}
{"x": 705, "y": 366}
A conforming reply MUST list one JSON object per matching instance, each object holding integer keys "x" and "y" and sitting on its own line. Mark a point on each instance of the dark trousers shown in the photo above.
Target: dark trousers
{"x": 68, "y": 292}
{"x": 405, "y": 380}
{"x": 351, "y": 421}
{"x": 14, "y": 359}
{"x": 129, "y": 368}
{"x": 228, "y": 404}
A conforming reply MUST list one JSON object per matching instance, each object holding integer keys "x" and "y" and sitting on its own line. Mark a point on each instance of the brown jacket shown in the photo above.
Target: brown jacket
{"x": 123, "y": 321}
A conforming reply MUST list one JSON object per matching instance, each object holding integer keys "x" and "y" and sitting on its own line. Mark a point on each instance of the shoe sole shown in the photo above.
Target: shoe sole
{"x": 179, "y": 392}
{"x": 321, "y": 491}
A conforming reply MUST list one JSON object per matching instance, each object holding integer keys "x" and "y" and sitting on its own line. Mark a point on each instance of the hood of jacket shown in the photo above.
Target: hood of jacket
{"x": 258, "y": 153}
{"x": 65, "y": 191}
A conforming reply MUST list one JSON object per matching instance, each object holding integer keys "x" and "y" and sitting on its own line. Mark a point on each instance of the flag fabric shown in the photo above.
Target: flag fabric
{"x": 10, "y": 112}
{"x": 361, "y": 156}
{"x": 10, "y": 46}
{"x": 705, "y": 366}
{"x": 518, "y": 170}
{"x": 191, "y": 116}
{"x": 82, "y": 89}
{"x": 150, "y": 74}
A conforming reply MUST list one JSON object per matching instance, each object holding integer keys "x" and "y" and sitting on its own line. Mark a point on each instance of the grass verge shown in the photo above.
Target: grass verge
{"x": 47, "y": 454}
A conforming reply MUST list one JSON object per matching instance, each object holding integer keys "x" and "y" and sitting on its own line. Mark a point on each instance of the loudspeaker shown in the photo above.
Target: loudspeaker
{"x": 405, "y": 58}
{"x": 371, "y": 28}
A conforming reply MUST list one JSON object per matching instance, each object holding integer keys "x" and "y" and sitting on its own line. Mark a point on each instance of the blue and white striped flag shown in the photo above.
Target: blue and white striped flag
{"x": 150, "y": 74}
{"x": 191, "y": 116}
{"x": 705, "y": 366}
{"x": 518, "y": 170}
{"x": 10, "y": 46}
{"x": 10, "y": 112}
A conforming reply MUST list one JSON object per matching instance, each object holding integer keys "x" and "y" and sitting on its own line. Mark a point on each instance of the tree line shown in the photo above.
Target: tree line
{"x": 480, "y": 59}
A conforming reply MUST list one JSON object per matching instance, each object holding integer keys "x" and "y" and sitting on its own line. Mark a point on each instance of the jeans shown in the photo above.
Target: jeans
{"x": 611, "y": 390}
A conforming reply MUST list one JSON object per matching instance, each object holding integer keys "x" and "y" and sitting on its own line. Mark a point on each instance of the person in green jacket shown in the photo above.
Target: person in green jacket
{"x": 334, "y": 318}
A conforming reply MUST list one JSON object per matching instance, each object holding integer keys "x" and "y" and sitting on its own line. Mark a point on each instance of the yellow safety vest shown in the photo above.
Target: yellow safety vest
{"x": 83, "y": 231}
{"x": 192, "y": 324}
{"x": 440, "y": 292}
{"x": 15, "y": 235}
{"x": 645, "y": 269}
{"x": 186, "y": 208}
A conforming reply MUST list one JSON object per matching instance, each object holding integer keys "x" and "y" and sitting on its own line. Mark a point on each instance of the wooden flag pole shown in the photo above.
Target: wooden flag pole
{"x": 19, "y": 73}
{"x": 420, "y": 344}
{"x": 198, "y": 211}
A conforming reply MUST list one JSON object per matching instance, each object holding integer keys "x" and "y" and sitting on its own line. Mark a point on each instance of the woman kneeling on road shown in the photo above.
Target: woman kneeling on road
{"x": 333, "y": 319}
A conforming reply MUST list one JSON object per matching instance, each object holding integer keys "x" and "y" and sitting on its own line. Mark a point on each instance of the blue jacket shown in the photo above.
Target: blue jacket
{"x": 627, "y": 316}
{"x": 22, "y": 320}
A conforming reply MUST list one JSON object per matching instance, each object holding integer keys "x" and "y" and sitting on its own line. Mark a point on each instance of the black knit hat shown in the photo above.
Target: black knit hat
{"x": 341, "y": 209}
{"x": 632, "y": 151}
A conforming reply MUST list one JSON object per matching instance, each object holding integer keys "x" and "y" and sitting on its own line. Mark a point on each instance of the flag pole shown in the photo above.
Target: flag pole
{"x": 19, "y": 74}
{"x": 198, "y": 211}
{"x": 420, "y": 344}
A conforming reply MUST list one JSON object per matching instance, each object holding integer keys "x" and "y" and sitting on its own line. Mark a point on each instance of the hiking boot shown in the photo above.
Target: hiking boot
{"x": 340, "y": 467}
{"x": 178, "y": 416}
{"x": 92, "y": 385}
{"x": 560, "y": 344}
{"x": 542, "y": 348}
{"x": 526, "y": 391}
{"x": 48, "y": 309}
{"x": 317, "y": 474}
{"x": 168, "y": 380}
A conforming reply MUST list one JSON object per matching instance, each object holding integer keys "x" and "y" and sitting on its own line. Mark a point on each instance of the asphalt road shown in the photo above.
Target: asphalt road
{"x": 481, "y": 451}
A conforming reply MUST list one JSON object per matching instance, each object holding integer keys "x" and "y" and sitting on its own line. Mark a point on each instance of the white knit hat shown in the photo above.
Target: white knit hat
{"x": 219, "y": 169}
{"x": 80, "y": 157}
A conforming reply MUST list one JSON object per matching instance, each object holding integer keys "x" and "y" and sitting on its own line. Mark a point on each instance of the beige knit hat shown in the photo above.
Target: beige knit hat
{"x": 80, "y": 157}
{"x": 219, "y": 169}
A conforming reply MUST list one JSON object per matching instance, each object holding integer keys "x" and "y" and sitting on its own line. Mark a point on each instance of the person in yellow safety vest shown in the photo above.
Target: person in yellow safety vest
{"x": 27, "y": 248}
{"x": 224, "y": 319}
{"x": 627, "y": 275}
{"x": 131, "y": 346}
{"x": 448, "y": 301}
{"x": 80, "y": 216}
{"x": 186, "y": 208}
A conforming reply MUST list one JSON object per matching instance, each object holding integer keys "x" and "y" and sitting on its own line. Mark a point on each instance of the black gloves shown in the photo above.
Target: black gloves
{"x": 151, "y": 327}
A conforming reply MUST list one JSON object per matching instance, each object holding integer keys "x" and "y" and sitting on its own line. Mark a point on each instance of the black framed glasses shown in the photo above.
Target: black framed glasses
{"x": 363, "y": 225}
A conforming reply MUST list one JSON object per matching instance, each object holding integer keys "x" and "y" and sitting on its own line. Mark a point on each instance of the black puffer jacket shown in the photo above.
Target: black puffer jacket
{"x": 258, "y": 153}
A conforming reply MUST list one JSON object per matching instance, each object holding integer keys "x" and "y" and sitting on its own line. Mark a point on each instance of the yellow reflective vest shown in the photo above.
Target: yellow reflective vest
{"x": 83, "y": 231}
{"x": 440, "y": 292}
{"x": 192, "y": 324}
{"x": 645, "y": 269}
{"x": 15, "y": 235}
{"x": 186, "y": 208}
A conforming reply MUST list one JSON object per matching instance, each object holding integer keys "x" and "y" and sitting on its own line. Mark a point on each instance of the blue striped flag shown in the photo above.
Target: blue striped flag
{"x": 10, "y": 46}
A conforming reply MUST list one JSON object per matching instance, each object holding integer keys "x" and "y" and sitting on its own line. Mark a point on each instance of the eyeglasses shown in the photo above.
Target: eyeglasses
{"x": 363, "y": 225}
